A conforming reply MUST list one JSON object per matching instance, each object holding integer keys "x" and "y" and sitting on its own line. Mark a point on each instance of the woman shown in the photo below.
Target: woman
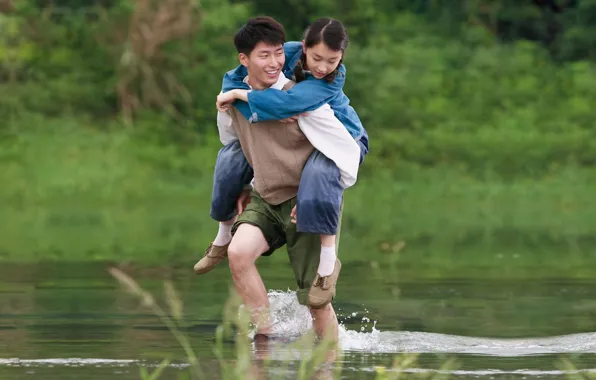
{"x": 316, "y": 65}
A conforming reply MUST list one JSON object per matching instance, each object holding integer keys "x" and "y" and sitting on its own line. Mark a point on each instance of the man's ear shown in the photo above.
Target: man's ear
{"x": 243, "y": 58}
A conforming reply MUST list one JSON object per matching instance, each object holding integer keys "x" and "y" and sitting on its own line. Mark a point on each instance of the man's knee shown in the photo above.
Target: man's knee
{"x": 240, "y": 256}
{"x": 246, "y": 246}
{"x": 321, "y": 312}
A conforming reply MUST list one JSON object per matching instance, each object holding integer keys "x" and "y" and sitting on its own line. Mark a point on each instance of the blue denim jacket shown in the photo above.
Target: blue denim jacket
{"x": 308, "y": 95}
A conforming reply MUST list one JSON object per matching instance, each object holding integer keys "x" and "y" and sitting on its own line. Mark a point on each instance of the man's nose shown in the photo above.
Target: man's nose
{"x": 273, "y": 61}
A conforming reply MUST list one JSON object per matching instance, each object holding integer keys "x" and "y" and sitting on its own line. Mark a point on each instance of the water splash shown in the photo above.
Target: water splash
{"x": 68, "y": 362}
{"x": 109, "y": 363}
{"x": 293, "y": 320}
{"x": 289, "y": 318}
{"x": 491, "y": 373}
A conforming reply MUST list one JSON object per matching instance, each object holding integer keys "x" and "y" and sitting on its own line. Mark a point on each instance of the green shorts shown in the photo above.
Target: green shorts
{"x": 304, "y": 249}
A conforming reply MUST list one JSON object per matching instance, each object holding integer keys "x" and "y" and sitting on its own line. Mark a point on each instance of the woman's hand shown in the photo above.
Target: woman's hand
{"x": 225, "y": 100}
{"x": 243, "y": 201}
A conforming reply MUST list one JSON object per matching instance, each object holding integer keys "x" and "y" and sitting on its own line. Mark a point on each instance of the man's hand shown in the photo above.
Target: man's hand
{"x": 243, "y": 201}
{"x": 294, "y": 215}
{"x": 292, "y": 119}
{"x": 225, "y": 100}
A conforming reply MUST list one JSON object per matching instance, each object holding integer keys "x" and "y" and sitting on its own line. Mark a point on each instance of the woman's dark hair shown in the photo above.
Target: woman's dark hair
{"x": 259, "y": 29}
{"x": 329, "y": 31}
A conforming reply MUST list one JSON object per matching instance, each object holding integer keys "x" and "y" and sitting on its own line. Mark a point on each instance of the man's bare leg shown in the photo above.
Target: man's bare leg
{"x": 325, "y": 323}
{"x": 247, "y": 245}
{"x": 326, "y": 327}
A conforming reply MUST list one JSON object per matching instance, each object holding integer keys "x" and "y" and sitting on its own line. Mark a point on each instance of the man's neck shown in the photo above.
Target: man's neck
{"x": 281, "y": 81}
{"x": 256, "y": 85}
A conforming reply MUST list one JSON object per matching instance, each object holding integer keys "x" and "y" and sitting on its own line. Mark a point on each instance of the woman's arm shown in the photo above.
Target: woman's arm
{"x": 234, "y": 79}
{"x": 308, "y": 95}
{"x": 225, "y": 99}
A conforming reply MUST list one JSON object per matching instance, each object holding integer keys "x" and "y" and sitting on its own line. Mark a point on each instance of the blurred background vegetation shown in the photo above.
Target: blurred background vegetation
{"x": 480, "y": 115}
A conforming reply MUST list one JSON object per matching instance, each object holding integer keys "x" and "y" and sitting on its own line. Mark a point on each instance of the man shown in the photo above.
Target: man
{"x": 277, "y": 154}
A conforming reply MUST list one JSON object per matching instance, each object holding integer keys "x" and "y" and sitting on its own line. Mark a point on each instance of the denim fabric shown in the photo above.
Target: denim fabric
{"x": 293, "y": 52}
{"x": 319, "y": 194}
{"x": 232, "y": 172}
{"x": 363, "y": 144}
{"x": 312, "y": 93}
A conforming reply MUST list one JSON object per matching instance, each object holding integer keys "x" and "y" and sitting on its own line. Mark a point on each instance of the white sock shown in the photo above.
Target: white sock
{"x": 327, "y": 262}
{"x": 224, "y": 235}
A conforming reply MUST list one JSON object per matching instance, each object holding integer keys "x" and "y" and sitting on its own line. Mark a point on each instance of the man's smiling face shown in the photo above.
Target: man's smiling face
{"x": 264, "y": 64}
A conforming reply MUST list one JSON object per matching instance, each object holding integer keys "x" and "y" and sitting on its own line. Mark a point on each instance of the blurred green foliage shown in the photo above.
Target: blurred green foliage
{"x": 77, "y": 194}
{"x": 488, "y": 87}
{"x": 479, "y": 114}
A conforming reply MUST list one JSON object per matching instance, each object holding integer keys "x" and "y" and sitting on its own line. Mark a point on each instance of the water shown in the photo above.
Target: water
{"x": 72, "y": 321}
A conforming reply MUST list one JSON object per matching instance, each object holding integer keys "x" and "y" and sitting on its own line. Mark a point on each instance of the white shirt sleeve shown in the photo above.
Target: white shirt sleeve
{"x": 329, "y": 136}
{"x": 227, "y": 133}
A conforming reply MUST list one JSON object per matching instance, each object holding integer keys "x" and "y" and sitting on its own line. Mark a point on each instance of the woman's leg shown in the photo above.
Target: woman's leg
{"x": 318, "y": 206}
{"x": 319, "y": 202}
{"x": 232, "y": 173}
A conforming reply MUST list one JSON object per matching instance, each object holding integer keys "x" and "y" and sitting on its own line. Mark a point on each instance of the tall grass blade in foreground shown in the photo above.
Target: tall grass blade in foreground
{"x": 148, "y": 301}
{"x": 318, "y": 363}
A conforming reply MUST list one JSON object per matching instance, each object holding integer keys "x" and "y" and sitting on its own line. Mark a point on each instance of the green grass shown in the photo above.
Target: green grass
{"x": 79, "y": 194}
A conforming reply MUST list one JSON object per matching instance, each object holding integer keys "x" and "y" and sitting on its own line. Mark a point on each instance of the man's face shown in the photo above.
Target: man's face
{"x": 263, "y": 65}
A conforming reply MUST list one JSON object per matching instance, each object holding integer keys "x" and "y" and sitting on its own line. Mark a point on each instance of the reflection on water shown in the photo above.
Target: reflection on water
{"x": 73, "y": 321}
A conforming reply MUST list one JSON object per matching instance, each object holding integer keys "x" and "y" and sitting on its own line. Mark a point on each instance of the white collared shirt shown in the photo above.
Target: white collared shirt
{"x": 324, "y": 131}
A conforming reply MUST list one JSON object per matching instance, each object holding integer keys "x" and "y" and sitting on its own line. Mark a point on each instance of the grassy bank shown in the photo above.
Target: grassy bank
{"x": 79, "y": 194}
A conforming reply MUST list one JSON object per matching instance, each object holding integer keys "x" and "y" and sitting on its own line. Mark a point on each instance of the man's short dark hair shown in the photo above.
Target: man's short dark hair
{"x": 259, "y": 29}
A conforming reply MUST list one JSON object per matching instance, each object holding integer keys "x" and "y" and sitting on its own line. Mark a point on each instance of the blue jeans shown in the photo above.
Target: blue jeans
{"x": 232, "y": 173}
{"x": 319, "y": 197}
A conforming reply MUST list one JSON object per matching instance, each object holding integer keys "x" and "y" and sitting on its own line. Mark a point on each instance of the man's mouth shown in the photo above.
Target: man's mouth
{"x": 272, "y": 73}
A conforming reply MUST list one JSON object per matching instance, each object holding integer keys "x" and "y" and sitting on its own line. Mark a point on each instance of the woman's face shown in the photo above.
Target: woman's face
{"x": 320, "y": 60}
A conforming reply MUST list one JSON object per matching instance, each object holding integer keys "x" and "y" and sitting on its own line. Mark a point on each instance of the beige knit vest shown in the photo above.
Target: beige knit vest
{"x": 277, "y": 153}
